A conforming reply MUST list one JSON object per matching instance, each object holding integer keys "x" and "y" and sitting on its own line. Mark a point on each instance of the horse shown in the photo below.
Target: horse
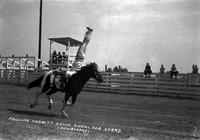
{"x": 73, "y": 86}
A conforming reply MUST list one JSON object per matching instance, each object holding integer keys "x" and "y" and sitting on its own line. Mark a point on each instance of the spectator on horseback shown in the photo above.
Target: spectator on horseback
{"x": 147, "y": 71}
{"x": 173, "y": 71}
{"x": 195, "y": 69}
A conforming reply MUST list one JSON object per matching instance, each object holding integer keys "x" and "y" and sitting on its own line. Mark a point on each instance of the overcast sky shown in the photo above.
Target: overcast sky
{"x": 126, "y": 32}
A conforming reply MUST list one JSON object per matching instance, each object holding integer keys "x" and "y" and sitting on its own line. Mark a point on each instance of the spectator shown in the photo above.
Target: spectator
{"x": 59, "y": 58}
{"x": 195, "y": 69}
{"x": 64, "y": 58}
{"x": 162, "y": 70}
{"x": 173, "y": 71}
{"x": 54, "y": 56}
{"x": 147, "y": 71}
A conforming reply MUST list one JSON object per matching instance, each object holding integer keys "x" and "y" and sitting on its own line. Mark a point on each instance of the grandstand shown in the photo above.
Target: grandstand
{"x": 60, "y": 60}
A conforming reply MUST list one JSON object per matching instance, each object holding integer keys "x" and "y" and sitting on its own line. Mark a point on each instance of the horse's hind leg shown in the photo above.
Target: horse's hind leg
{"x": 50, "y": 101}
{"x": 68, "y": 102}
{"x": 74, "y": 97}
{"x": 42, "y": 91}
{"x": 64, "y": 104}
{"x": 36, "y": 98}
{"x": 48, "y": 95}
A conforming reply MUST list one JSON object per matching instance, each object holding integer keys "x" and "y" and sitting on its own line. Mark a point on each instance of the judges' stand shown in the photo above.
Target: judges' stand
{"x": 23, "y": 69}
{"x": 67, "y": 58}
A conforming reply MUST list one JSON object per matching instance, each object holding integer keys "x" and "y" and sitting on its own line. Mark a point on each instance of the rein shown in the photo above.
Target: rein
{"x": 97, "y": 80}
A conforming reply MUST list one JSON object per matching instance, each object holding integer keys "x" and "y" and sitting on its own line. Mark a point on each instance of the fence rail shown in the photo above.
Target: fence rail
{"x": 186, "y": 85}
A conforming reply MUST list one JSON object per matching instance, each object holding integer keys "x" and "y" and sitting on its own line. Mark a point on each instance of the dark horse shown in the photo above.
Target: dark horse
{"x": 72, "y": 87}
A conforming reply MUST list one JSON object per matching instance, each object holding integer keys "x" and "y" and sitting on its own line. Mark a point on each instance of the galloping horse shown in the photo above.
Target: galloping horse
{"x": 72, "y": 87}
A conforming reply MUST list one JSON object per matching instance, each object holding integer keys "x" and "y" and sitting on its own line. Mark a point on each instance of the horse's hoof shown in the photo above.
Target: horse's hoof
{"x": 69, "y": 103}
{"x": 64, "y": 114}
{"x": 51, "y": 101}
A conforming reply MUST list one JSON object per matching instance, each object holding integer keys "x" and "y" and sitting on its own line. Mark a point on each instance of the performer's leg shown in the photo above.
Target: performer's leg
{"x": 80, "y": 56}
{"x": 52, "y": 77}
{"x": 171, "y": 75}
{"x": 45, "y": 77}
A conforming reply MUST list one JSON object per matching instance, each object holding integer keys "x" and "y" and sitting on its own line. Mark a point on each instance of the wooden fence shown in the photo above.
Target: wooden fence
{"x": 158, "y": 85}
{"x": 186, "y": 85}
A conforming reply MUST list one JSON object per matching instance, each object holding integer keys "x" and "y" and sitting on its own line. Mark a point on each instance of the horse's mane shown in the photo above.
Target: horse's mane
{"x": 89, "y": 65}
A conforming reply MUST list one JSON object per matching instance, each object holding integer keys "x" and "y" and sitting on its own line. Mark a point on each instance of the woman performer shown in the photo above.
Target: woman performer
{"x": 79, "y": 59}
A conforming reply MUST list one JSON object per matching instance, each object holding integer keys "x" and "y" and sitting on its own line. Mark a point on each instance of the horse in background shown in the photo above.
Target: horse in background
{"x": 73, "y": 86}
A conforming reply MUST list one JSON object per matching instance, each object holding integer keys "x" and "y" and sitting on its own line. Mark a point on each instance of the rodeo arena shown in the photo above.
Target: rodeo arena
{"x": 112, "y": 105}
{"x": 65, "y": 98}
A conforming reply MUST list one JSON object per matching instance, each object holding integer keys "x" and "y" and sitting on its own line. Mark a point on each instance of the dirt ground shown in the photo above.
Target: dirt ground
{"x": 97, "y": 116}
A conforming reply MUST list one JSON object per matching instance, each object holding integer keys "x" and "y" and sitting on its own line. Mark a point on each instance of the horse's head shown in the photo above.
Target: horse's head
{"x": 95, "y": 72}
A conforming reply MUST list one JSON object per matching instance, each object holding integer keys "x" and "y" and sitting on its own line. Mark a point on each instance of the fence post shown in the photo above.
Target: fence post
{"x": 156, "y": 80}
{"x": 107, "y": 78}
{"x": 26, "y": 73}
{"x": 185, "y": 80}
{"x": 6, "y": 63}
{"x": 131, "y": 78}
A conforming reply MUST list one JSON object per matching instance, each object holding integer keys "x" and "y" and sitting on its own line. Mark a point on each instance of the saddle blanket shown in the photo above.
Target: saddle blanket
{"x": 60, "y": 82}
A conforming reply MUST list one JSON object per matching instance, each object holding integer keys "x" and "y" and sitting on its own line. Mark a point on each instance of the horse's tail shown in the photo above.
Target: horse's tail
{"x": 36, "y": 82}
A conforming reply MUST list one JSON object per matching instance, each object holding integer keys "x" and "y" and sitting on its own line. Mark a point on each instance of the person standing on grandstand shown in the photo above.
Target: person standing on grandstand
{"x": 59, "y": 57}
{"x": 64, "y": 57}
{"x": 54, "y": 57}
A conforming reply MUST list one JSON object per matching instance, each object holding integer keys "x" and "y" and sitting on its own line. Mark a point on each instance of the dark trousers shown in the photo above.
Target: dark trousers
{"x": 175, "y": 73}
{"x": 147, "y": 73}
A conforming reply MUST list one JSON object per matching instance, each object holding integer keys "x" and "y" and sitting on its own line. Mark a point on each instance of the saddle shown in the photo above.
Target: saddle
{"x": 61, "y": 77}
{"x": 60, "y": 80}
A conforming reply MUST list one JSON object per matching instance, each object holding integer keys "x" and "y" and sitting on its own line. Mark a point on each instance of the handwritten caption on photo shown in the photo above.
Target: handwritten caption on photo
{"x": 81, "y": 128}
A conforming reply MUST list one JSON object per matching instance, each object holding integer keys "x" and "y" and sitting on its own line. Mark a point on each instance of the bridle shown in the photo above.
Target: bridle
{"x": 96, "y": 75}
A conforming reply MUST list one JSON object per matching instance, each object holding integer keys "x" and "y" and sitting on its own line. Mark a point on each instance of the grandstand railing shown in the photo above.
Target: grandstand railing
{"x": 22, "y": 62}
{"x": 186, "y": 85}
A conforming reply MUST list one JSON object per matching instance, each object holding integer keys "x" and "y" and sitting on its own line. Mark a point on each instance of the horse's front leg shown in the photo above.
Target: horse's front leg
{"x": 68, "y": 102}
{"x": 48, "y": 95}
{"x": 36, "y": 98}
{"x": 64, "y": 104}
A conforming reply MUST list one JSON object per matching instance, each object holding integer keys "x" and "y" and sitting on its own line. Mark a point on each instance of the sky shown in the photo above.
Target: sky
{"x": 126, "y": 32}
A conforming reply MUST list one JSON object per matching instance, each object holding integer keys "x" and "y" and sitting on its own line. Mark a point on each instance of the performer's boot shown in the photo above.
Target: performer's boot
{"x": 87, "y": 37}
